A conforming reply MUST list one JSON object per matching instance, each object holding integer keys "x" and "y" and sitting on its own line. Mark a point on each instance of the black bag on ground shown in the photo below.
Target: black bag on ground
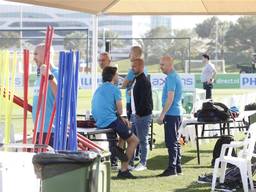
{"x": 218, "y": 145}
{"x": 232, "y": 177}
{"x": 213, "y": 112}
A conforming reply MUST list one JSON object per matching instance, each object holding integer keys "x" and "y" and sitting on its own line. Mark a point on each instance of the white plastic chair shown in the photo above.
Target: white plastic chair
{"x": 242, "y": 161}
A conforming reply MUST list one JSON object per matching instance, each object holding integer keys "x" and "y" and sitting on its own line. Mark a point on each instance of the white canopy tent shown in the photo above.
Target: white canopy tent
{"x": 153, "y": 7}
{"x": 146, "y": 7}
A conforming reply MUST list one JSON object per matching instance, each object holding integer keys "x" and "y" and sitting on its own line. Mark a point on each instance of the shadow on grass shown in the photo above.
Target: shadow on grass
{"x": 200, "y": 151}
{"x": 137, "y": 177}
{"x": 193, "y": 187}
{"x": 160, "y": 145}
{"x": 198, "y": 166}
{"x": 160, "y": 162}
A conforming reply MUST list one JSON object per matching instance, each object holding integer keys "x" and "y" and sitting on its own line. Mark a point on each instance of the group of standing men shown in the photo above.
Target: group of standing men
{"x": 107, "y": 109}
{"x": 139, "y": 106}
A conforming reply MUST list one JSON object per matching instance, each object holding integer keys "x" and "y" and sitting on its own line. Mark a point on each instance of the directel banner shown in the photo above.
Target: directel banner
{"x": 222, "y": 81}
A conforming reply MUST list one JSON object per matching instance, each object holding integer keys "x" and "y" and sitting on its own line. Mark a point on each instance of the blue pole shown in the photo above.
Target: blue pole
{"x": 70, "y": 138}
{"x": 76, "y": 93}
{"x": 73, "y": 107}
{"x": 72, "y": 111}
{"x": 67, "y": 96}
{"x": 61, "y": 130}
{"x": 58, "y": 100}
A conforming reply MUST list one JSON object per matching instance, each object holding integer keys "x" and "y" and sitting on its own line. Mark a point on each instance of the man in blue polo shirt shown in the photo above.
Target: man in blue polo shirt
{"x": 51, "y": 91}
{"x": 171, "y": 115}
{"x": 106, "y": 110}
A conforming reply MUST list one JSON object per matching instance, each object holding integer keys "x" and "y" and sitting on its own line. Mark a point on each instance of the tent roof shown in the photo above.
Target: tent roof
{"x": 153, "y": 7}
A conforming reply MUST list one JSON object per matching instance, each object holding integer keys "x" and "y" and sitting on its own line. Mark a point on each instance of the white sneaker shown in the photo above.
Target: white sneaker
{"x": 130, "y": 168}
{"x": 140, "y": 167}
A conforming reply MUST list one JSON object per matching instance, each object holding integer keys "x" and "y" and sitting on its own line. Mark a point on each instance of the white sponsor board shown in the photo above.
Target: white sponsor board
{"x": 85, "y": 81}
{"x": 157, "y": 81}
{"x": 19, "y": 80}
{"x": 248, "y": 80}
{"x": 188, "y": 81}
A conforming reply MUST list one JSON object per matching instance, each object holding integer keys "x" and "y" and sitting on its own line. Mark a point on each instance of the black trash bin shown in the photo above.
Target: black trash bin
{"x": 72, "y": 172}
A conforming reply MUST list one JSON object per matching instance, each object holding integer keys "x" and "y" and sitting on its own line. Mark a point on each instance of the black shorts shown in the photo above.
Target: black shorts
{"x": 121, "y": 129}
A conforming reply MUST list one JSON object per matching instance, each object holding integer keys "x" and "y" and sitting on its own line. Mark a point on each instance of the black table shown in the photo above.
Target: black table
{"x": 244, "y": 120}
{"x": 90, "y": 132}
{"x": 223, "y": 125}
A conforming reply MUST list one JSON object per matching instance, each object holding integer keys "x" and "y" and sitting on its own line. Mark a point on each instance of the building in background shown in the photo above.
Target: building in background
{"x": 161, "y": 21}
{"x": 119, "y": 30}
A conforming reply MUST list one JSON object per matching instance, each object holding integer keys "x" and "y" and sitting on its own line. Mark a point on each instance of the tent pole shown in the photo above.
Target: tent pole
{"x": 94, "y": 52}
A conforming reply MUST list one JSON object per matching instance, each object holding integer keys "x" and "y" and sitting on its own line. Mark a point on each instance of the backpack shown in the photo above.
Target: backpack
{"x": 218, "y": 145}
{"x": 232, "y": 177}
{"x": 213, "y": 112}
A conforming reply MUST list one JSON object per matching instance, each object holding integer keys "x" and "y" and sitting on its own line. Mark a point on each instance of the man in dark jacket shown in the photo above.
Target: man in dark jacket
{"x": 142, "y": 106}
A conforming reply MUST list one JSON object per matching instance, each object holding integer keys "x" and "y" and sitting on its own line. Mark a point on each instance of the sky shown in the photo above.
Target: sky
{"x": 179, "y": 22}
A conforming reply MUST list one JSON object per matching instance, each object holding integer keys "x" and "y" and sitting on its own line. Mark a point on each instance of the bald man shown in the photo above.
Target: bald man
{"x": 171, "y": 115}
{"x": 52, "y": 88}
{"x": 141, "y": 107}
{"x": 104, "y": 60}
{"x": 135, "y": 53}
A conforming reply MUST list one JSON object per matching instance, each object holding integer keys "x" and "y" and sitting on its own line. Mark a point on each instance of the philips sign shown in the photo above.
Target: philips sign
{"x": 248, "y": 81}
{"x": 85, "y": 81}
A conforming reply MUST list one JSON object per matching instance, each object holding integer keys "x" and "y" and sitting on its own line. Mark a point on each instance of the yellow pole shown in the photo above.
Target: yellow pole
{"x": 1, "y": 84}
{"x": 10, "y": 103}
{"x": 7, "y": 78}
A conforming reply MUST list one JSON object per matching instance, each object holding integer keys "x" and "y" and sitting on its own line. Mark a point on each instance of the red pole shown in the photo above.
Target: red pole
{"x": 39, "y": 100}
{"x": 25, "y": 103}
{"x": 47, "y": 140}
{"x": 86, "y": 144}
{"x": 43, "y": 89}
{"x": 80, "y": 146}
{"x": 82, "y": 138}
{"x": 18, "y": 101}
{"x": 38, "y": 111}
{"x": 45, "y": 85}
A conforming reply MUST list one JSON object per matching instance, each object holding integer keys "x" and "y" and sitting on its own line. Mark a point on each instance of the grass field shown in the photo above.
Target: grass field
{"x": 147, "y": 180}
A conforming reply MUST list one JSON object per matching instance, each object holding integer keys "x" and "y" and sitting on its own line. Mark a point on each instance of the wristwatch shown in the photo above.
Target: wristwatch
{"x": 50, "y": 77}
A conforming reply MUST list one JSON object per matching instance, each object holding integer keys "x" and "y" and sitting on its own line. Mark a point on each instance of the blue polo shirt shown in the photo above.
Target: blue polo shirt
{"x": 104, "y": 104}
{"x": 49, "y": 101}
{"x": 130, "y": 76}
{"x": 173, "y": 83}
